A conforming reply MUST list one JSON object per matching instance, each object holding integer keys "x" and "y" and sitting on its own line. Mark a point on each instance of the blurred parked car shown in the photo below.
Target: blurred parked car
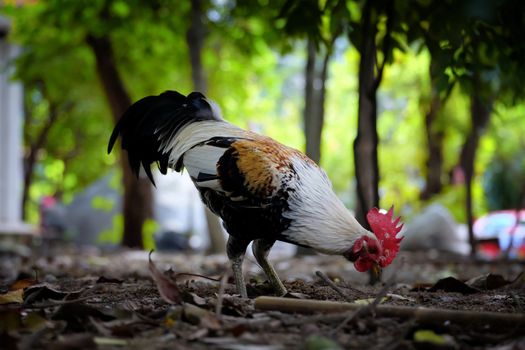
{"x": 496, "y": 230}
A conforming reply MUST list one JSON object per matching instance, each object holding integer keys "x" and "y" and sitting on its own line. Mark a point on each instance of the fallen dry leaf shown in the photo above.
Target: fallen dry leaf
{"x": 194, "y": 299}
{"x": 104, "y": 279}
{"x": 199, "y": 316}
{"x": 488, "y": 281}
{"x": 233, "y": 306}
{"x": 452, "y": 285}
{"x": 77, "y": 316}
{"x": 12, "y": 297}
{"x": 168, "y": 289}
{"x": 22, "y": 283}
{"x": 518, "y": 283}
{"x": 44, "y": 291}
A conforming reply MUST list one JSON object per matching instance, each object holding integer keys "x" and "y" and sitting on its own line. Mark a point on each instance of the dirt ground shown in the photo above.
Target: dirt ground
{"x": 65, "y": 298}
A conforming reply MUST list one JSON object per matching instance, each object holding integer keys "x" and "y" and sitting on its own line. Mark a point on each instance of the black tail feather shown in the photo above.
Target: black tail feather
{"x": 154, "y": 117}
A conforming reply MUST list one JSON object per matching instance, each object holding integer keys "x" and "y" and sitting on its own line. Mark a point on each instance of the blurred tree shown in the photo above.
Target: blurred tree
{"x": 379, "y": 30}
{"x": 375, "y": 28}
{"x": 37, "y": 139}
{"x": 322, "y": 24}
{"x": 314, "y": 100}
{"x": 503, "y": 181}
{"x": 55, "y": 130}
{"x": 366, "y": 141}
{"x": 478, "y": 49}
{"x": 137, "y": 201}
{"x": 64, "y": 29}
{"x": 305, "y": 19}
{"x": 195, "y": 37}
{"x": 254, "y": 72}
{"x": 435, "y": 134}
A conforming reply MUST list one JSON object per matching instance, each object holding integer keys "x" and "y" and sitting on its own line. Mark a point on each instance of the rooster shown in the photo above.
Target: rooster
{"x": 263, "y": 191}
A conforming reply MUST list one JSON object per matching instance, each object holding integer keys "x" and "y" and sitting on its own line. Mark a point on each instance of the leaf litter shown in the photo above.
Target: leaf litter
{"x": 121, "y": 299}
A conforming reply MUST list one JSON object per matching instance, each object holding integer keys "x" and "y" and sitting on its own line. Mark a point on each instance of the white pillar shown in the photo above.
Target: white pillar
{"x": 11, "y": 115}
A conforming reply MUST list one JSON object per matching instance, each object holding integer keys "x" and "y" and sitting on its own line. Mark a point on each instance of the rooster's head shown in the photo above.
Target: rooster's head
{"x": 369, "y": 252}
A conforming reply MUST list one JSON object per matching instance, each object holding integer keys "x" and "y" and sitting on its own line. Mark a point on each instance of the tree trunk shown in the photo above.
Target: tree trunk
{"x": 435, "y": 137}
{"x": 480, "y": 112}
{"x": 195, "y": 40}
{"x": 313, "y": 113}
{"x": 366, "y": 141}
{"x": 31, "y": 156}
{"x": 316, "y": 74}
{"x": 137, "y": 206}
{"x": 434, "y": 163}
{"x": 309, "y": 113}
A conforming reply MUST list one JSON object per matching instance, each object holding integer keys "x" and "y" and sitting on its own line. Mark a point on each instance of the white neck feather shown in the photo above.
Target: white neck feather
{"x": 319, "y": 218}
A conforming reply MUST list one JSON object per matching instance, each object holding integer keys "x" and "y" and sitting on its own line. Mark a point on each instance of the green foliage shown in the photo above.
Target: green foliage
{"x": 149, "y": 228}
{"x": 112, "y": 235}
{"x": 254, "y": 61}
{"x": 502, "y": 183}
{"x": 504, "y": 176}
{"x": 102, "y": 203}
{"x": 479, "y": 39}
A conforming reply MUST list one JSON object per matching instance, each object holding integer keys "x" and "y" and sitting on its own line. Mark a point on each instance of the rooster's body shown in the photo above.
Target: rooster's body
{"x": 263, "y": 191}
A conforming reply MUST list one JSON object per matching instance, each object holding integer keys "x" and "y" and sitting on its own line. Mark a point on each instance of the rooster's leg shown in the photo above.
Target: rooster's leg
{"x": 236, "y": 248}
{"x": 261, "y": 248}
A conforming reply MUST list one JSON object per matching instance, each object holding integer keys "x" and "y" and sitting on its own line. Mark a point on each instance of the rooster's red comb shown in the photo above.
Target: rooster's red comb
{"x": 386, "y": 230}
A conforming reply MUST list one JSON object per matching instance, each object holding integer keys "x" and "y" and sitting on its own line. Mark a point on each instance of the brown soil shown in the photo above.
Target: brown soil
{"x": 109, "y": 300}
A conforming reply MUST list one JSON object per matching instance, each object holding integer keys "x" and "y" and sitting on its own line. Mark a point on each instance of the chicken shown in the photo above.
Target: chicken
{"x": 263, "y": 191}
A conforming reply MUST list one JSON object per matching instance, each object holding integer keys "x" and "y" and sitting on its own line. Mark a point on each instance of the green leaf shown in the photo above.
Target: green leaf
{"x": 429, "y": 336}
{"x": 317, "y": 342}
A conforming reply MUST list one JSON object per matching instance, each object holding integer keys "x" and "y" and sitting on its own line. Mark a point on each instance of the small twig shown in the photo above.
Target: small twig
{"x": 368, "y": 309}
{"x": 328, "y": 318}
{"x": 351, "y": 317}
{"x": 174, "y": 277}
{"x": 334, "y": 286}
{"x": 260, "y": 323}
{"x": 397, "y": 340}
{"x": 177, "y": 275}
{"x": 220, "y": 295}
{"x": 53, "y": 303}
{"x": 517, "y": 301}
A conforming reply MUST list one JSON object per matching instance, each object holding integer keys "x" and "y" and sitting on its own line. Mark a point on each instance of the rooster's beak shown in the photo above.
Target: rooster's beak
{"x": 376, "y": 272}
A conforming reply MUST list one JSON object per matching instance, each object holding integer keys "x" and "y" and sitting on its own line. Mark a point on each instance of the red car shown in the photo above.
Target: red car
{"x": 496, "y": 230}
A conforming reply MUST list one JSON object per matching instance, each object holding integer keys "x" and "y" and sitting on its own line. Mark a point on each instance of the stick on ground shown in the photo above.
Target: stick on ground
{"x": 419, "y": 314}
{"x": 334, "y": 286}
